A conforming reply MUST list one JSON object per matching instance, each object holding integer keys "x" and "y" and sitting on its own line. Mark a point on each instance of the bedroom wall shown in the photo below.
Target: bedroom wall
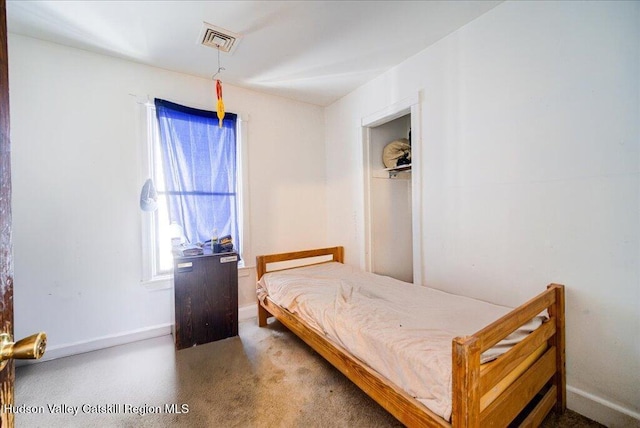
{"x": 530, "y": 118}
{"x": 76, "y": 160}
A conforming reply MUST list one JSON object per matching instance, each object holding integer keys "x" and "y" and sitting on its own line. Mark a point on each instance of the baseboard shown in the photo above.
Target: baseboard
{"x": 100, "y": 343}
{"x": 247, "y": 312}
{"x": 600, "y": 410}
{"x": 244, "y": 313}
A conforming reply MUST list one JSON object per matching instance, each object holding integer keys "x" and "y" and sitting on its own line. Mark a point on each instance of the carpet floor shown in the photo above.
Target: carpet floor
{"x": 265, "y": 377}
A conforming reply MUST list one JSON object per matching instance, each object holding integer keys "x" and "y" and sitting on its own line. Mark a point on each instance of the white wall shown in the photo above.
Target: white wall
{"x": 76, "y": 160}
{"x": 530, "y": 119}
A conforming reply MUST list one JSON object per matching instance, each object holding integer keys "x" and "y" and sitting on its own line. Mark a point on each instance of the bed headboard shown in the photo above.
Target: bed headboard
{"x": 302, "y": 258}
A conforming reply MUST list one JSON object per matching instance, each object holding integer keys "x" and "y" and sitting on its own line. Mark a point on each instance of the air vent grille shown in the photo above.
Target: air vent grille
{"x": 218, "y": 38}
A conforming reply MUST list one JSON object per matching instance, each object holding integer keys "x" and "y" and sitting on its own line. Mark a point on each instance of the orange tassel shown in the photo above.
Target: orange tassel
{"x": 220, "y": 106}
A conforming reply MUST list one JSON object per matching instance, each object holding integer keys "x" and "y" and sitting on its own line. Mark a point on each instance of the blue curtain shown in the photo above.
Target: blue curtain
{"x": 199, "y": 161}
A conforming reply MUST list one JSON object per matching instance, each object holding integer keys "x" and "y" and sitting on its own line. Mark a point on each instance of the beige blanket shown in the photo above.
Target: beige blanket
{"x": 401, "y": 330}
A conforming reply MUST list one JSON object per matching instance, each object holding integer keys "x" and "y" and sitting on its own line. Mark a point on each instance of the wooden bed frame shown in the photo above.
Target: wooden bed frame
{"x": 519, "y": 388}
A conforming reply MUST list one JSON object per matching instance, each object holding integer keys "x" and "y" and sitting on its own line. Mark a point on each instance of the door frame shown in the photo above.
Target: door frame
{"x": 409, "y": 105}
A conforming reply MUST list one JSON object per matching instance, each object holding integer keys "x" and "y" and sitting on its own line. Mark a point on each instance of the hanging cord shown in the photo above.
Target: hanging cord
{"x": 219, "y": 68}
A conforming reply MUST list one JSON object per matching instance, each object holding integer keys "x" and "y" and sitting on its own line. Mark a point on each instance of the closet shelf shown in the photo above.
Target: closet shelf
{"x": 399, "y": 168}
{"x": 391, "y": 172}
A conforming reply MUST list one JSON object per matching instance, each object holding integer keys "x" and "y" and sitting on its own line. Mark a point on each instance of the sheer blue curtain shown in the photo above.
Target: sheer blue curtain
{"x": 199, "y": 162}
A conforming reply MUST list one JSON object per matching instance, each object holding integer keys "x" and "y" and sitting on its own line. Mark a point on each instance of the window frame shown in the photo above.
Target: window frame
{"x": 150, "y": 276}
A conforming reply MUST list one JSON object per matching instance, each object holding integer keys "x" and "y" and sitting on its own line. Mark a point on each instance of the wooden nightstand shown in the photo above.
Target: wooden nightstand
{"x": 206, "y": 298}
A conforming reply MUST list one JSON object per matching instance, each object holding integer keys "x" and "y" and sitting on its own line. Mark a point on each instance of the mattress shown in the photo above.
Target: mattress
{"x": 401, "y": 330}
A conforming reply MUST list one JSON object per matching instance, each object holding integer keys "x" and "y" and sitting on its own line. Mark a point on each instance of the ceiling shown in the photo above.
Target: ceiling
{"x": 311, "y": 51}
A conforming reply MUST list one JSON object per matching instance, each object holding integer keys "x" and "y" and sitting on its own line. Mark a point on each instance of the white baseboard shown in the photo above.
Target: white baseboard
{"x": 100, "y": 343}
{"x": 247, "y": 312}
{"x": 601, "y": 410}
{"x": 52, "y": 353}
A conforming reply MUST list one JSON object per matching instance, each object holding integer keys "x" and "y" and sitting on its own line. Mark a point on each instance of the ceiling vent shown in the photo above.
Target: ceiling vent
{"x": 218, "y": 38}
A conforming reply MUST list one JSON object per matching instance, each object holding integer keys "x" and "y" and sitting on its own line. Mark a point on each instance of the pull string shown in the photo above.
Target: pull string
{"x": 219, "y": 68}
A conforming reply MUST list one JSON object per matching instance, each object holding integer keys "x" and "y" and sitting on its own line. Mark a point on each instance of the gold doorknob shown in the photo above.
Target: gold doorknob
{"x": 29, "y": 348}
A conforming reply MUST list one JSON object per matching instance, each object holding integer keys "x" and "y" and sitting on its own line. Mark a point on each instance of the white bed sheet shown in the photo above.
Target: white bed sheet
{"x": 401, "y": 330}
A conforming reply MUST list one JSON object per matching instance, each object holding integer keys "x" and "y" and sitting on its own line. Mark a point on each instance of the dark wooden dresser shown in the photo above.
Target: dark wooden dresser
{"x": 206, "y": 298}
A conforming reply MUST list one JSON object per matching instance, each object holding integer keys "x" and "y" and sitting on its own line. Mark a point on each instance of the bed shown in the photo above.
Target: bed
{"x": 519, "y": 386}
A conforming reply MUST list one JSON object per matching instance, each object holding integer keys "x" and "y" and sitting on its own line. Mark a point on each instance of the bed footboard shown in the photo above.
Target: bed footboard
{"x": 530, "y": 375}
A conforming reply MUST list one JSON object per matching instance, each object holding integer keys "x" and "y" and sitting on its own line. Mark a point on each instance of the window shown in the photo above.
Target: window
{"x": 205, "y": 185}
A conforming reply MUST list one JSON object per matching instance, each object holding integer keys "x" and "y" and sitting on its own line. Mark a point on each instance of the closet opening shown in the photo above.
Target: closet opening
{"x": 391, "y": 148}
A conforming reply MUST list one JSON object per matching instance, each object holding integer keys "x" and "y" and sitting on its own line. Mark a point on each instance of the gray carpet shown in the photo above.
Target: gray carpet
{"x": 266, "y": 377}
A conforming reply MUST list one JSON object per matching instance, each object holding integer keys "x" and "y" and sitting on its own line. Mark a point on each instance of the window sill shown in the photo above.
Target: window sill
{"x": 160, "y": 282}
{"x": 165, "y": 282}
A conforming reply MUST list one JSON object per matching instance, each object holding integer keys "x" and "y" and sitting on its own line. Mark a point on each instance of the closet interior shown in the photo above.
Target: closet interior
{"x": 389, "y": 198}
